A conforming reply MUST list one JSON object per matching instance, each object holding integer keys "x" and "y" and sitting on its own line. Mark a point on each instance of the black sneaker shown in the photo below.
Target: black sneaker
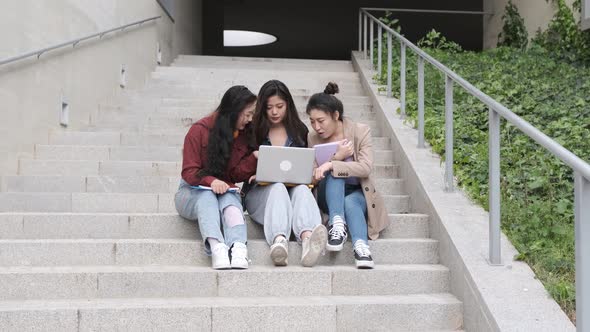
{"x": 336, "y": 237}
{"x": 362, "y": 255}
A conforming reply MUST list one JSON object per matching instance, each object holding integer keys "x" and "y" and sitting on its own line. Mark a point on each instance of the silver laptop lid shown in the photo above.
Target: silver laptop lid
{"x": 285, "y": 164}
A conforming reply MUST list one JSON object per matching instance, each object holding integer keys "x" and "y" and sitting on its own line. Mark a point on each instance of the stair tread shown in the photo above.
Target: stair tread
{"x": 433, "y": 298}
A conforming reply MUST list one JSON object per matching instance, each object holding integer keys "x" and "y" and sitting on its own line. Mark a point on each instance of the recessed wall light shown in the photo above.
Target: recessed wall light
{"x": 241, "y": 38}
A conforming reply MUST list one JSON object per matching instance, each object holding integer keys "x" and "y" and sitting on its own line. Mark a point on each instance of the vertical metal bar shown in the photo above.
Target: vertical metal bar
{"x": 494, "y": 187}
{"x": 448, "y": 133}
{"x": 360, "y": 30}
{"x": 365, "y": 37}
{"x": 420, "y": 102}
{"x": 582, "y": 230}
{"x": 389, "y": 64}
{"x": 402, "y": 88}
{"x": 379, "y": 49}
{"x": 371, "y": 26}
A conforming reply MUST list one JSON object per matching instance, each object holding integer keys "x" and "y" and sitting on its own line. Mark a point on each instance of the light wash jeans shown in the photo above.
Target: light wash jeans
{"x": 336, "y": 198}
{"x": 281, "y": 209}
{"x": 207, "y": 208}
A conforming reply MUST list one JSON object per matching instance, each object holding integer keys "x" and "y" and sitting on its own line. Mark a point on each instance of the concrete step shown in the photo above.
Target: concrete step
{"x": 264, "y": 74}
{"x": 138, "y": 153}
{"x": 215, "y": 88}
{"x": 419, "y": 312}
{"x": 253, "y": 82}
{"x": 115, "y": 168}
{"x": 172, "y": 117}
{"x": 88, "y": 282}
{"x": 127, "y": 153}
{"x": 87, "y": 202}
{"x": 267, "y": 66}
{"x": 121, "y": 202}
{"x": 188, "y": 101}
{"x": 124, "y": 184}
{"x": 178, "y": 127}
{"x": 137, "y": 139}
{"x": 135, "y": 168}
{"x": 137, "y": 252}
{"x": 217, "y": 92}
{"x": 153, "y": 226}
{"x": 247, "y": 60}
{"x": 355, "y": 111}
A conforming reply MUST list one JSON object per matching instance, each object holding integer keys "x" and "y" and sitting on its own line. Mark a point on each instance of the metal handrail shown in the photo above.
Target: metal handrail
{"x": 73, "y": 42}
{"x": 496, "y": 111}
{"x": 430, "y": 11}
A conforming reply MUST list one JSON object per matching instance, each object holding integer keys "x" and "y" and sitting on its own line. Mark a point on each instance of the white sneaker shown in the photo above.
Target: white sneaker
{"x": 279, "y": 251}
{"x": 314, "y": 245}
{"x": 239, "y": 256}
{"x": 220, "y": 257}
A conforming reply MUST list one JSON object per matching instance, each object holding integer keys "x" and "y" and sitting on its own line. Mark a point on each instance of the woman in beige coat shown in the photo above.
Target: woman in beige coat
{"x": 345, "y": 190}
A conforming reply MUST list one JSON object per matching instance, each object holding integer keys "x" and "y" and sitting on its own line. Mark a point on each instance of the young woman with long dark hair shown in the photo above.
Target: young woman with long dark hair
{"x": 218, "y": 153}
{"x": 346, "y": 191}
{"x": 282, "y": 208}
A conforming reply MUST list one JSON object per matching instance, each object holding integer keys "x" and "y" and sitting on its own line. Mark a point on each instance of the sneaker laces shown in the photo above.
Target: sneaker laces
{"x": 337, "y": 231}
{"x": 362, "y": 249}
{"x": 240, "y": 251}
{"x": 219, "y": 247}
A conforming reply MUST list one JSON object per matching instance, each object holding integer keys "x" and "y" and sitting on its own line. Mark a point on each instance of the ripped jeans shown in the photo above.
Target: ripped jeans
{"x": 207, "y": 208}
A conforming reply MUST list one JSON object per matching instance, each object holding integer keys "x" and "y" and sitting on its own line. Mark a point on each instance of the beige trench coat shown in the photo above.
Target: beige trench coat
{"x": 361, "y": 167}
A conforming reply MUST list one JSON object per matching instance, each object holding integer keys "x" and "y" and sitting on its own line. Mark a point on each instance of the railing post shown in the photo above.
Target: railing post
{"x": 379, "y": 49}
{"x": 448, "y": 133}
{"x": 494, "y": 187}
{"x": 389, "y": 65}
{"x": 402, "y": 87}
{"x": 365, "y": 36}
{"x": 420, "y": 102}
{"x": 360, "y": 30}
{"x": 582, "y": 230}
{"x": 371, "y": 26}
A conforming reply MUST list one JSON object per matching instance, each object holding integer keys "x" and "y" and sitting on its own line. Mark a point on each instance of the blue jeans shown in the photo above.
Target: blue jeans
{"x": 207, "y": 207}
{"x": 347, "y": 201}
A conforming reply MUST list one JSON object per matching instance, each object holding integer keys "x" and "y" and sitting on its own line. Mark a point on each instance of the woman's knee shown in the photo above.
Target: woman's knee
{"x": 233, "y": 216}
{"x": 277, "y": 189}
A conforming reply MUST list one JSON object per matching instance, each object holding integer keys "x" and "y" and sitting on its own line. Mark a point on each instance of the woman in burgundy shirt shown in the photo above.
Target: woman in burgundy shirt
{"x": 218, "y": 153}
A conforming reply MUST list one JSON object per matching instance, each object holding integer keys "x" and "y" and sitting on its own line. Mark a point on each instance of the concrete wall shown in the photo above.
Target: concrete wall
{"x": 536, "y": 14}
{"x": 31, "y": 89}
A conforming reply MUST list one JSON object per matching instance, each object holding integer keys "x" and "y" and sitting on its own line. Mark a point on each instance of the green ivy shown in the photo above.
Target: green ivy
{"x": 513, "y": 32}
{"x": 536, "y": 188}
{"x": 563, "y": 38}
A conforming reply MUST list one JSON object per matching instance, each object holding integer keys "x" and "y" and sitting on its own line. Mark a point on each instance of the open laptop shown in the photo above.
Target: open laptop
{"x": 285, "y": 165}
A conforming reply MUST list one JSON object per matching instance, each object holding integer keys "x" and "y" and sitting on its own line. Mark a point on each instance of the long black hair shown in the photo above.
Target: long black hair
{"x": 221, "y": 136}
{"x": 296, "y": 129}
{"x": 326, "y": 101}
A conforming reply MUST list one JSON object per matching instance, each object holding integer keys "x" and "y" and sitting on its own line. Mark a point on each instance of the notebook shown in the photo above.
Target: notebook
{"x": 230, "y": 189}
{"x": 285, "y": 165}
{"x": 324, "y": 152}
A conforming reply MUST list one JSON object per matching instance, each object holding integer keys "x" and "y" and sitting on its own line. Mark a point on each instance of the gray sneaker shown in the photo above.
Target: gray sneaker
{"x": 279, "y": 251}
{"x": 313, "y": 246}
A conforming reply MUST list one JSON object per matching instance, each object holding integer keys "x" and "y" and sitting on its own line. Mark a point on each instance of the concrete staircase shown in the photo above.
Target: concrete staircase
{"x": 90, "y": 240}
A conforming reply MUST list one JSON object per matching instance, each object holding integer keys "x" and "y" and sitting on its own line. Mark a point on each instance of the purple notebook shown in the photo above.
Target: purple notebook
{"x": 324, "y": 152}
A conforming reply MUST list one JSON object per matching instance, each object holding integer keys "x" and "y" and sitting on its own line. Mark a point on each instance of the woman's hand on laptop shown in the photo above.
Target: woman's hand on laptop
{"x": 345, "y": 150}
{"x": 219, "y": 187}
{"x": 255, "y": 153}
{"x": 320, "y": 172}
{"x": 252, "y": 178}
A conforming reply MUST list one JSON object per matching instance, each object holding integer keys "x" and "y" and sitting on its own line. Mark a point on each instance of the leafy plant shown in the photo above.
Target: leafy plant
{"x": 513, "y": 32}
{"x": 536, "y": 188}
{"x": 435, "y": 40}
{"x": 563, "y": 38}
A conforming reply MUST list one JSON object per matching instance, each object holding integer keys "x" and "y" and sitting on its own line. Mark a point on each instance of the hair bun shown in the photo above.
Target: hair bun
{"x": 331, "y": 89}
